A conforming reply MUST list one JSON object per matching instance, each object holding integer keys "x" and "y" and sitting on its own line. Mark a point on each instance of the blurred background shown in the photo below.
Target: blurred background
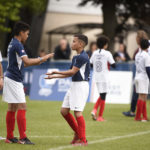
{"x": 53, "y": 20}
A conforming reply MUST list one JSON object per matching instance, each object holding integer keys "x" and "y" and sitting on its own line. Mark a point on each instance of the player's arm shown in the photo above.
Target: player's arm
{"x": 56, "y": 76}
{"x": 148, "y": 72}
{"x": 35, "y": 61}
{"x": 67, "y": 73}
{"x": 111, "y": 61}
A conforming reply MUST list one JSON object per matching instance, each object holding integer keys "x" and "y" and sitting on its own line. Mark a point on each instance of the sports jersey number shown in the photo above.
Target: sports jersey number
{"x": 98, "y": 66}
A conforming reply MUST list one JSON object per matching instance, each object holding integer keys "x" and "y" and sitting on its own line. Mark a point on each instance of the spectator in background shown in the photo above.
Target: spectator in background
{"x": 42, "y": 53}
{"x": 62, "y": 51}
{"x": 93, "y": 47}
{"x": 121, "y": 55}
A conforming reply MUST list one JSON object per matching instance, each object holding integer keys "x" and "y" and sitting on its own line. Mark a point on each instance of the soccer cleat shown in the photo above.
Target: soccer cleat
{"x": 80, "y": 143}
{"x": 100, "y": 119}
{"x": 93, "y": 113}
{"x": 13, "y": 140}
{"x": 128, "y": 114}
{"x": 25, "y": 141}
{"x": 75, "y": 138}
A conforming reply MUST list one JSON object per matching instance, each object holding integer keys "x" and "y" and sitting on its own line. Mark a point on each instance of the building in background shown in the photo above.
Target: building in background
{"x": 65, "y": 18}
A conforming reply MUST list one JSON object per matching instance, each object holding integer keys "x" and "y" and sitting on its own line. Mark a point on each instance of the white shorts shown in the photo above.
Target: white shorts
{"x": 102, "y": 87}
{"x": 13, "y": 92}
{"x": 77, "y": 95}
{"x": 141, "y": 86}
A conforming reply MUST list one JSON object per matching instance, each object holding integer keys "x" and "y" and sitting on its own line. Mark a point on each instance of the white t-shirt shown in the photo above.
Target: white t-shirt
{"x": 0, "y": 57}
{"x": 100, "y": 60}
{"x": 142, "y": 60}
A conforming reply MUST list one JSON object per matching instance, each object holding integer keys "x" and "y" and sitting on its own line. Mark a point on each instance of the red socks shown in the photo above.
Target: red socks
{"x": 72, "y": 122}
{"x": 97, "y": 103}
{"x": 139, "y": 109}
{"x": 102, "y": 106}
{"x": 81, "y": 128}
{"x": 21, "y": 120}
{"x": 78, "y": 127}
{"x": 10, "y": 124}
{"x": 144, "y": 111}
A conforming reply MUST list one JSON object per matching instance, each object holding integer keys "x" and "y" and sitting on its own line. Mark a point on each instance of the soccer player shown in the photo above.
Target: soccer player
{"x": 13, "y": 92}
{"x": 141, "y": 34}
{"x": 75, "y": 98}
{"x": 100, "y": 60}
{"x": 142, "y": 62}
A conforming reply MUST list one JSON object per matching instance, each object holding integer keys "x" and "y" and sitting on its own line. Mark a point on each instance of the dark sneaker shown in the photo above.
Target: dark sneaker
{"x": 25, "y": 141}
{"x": 129, "y": 114}
{"x": 13, "y": 140}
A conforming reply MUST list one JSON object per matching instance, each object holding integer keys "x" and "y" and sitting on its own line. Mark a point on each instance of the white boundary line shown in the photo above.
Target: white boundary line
{"x": 104, "y": 140}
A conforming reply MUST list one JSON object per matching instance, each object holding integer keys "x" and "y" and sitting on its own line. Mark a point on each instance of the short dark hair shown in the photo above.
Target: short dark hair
{"x": 102, "y": 41}
{"x": 82, "y": 37}
{"x": 20, "y": 26}
{"x": 144, "y": 44}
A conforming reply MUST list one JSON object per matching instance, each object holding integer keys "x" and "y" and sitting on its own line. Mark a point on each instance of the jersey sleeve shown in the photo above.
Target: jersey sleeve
{"x": 147, "y": 61}
{"x": 110, "y": 59}
{"x": 80, "y": 61}
{"x": 20, "y": 50}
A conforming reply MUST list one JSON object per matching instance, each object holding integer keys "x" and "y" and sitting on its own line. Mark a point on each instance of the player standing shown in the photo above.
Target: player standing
{"x": 75, "y": 98}
{"x": 13, "y": 92}
{"x": 100, "y": 60}
{"x": 142, "y": 62}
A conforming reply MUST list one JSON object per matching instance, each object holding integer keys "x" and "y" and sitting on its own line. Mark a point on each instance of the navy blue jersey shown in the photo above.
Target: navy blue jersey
{"x": 15, "y": 64}
{"x": 81, "y": 61}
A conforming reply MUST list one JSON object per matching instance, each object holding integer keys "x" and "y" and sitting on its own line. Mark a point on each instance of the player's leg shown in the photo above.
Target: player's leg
{"x": 21, "y": 121}
{"x": 65, "y": 112}
{"x": 144, "y": 110}
{"x": 81, "y": 128}
{"x": 79, "y": 95}
{"x": 94, "y": 111}
{"x": 10, "y": 123}
{"x": 102, "y": 107}
{"x": 139, "y": 107}
{"x": 142, "y": 89}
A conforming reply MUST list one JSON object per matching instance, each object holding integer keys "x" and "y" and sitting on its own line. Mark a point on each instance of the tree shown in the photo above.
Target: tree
{"x": 30, "y": 11}
{"x": 116, "y": 14}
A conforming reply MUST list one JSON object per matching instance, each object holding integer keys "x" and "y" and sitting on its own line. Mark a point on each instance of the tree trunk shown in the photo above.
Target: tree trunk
{"x": 110, "y": 21}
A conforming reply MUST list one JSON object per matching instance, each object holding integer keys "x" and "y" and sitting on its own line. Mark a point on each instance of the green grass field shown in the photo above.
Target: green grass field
{"x": 49, "y": 131}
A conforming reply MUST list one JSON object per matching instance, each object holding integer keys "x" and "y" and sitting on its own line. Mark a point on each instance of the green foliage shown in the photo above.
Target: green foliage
{"x": 10, "y": 9}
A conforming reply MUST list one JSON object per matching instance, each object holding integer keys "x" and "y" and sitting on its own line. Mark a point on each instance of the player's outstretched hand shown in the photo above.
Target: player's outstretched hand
{"x": 44, "y": 58}
{"x": 51, "y": 73}
{"x": 49, "y": 77}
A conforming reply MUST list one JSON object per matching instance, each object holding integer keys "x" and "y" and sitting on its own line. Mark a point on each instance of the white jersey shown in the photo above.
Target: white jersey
{"x": 100, "y": 60}
{"x": 142, "y": 60}
{"x": 0, "y": 57}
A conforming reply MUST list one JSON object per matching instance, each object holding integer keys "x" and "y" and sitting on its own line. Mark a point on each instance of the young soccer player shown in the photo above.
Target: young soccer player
{"x": 13, "y": 92}
{"x": 142, "y": 62}
{"x": 75, "y": 98}
{"x": 100, "y": 60}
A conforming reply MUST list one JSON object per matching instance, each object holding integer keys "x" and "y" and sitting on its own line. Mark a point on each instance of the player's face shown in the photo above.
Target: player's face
{"x": 75, "y": 44}
{"x": 24, "y": 36}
